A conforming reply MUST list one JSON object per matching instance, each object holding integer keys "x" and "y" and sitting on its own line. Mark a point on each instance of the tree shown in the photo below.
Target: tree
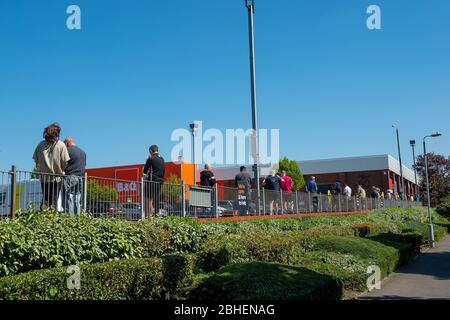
{"x": 172, "y": 189}
{"x": 36, "y": 172}
{"x": 292, "y": 170}
{"x": 97, "y": 192}
{"x": 439, "y": 177}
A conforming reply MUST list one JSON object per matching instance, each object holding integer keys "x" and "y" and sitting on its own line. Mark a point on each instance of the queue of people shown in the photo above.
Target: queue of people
{"x": 278, "y": 185}
{"x": 62, "y": 166}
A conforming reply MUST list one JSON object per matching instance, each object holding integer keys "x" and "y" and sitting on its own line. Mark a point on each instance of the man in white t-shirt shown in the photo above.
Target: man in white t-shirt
{"x": 347, "y": 191}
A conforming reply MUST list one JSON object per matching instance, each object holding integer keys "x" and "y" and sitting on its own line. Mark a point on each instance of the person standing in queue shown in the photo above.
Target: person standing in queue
{"x": 207, "y": 178}
{"x": 73, "y": 182}
{"x": 51, "y": 157}
{"x": 154, "y": 171}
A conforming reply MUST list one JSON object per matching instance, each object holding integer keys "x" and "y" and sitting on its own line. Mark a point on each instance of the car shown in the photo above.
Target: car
{"x": 225, "y": 208}
{"x": 104, "y": 208}
{"x": 131, "y": 211}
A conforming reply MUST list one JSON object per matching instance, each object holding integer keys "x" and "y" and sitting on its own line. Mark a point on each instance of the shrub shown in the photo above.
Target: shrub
{"x": 133, "y": 279}
{"x": 183, "y": 234}
{"x": 371, "y": 252}
{"x": 443, "y": 208}
{"x": 268, "y": 247}
{"x": 347, "y": 268}
{"x": 266, "y": 281}
{"x": 41, "y": 241}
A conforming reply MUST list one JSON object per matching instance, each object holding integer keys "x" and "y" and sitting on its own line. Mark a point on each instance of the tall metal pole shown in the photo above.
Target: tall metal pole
{"x": 430, "y": 219}
{"x": 250, "y": 4}
{"x": 413, "y": 145}
{"x": 402, "y": 182}
{"x": 194, "y": 127}
{"x": 193, "y": 157}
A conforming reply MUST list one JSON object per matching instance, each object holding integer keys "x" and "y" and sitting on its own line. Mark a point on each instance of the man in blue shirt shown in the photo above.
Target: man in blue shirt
{"x": 311, "y": 187}
{"x": 73, "y": 181}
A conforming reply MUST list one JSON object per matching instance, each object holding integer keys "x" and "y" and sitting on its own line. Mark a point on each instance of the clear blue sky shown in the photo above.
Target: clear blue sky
{"x": 140, "y": 69}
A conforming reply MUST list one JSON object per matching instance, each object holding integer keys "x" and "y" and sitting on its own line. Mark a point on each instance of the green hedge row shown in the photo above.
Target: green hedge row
{"x": 130, "y": 279}
{"x": 42, "y": 241}
{"x": 266, "y": 281}
{"x": 341, "y": 256}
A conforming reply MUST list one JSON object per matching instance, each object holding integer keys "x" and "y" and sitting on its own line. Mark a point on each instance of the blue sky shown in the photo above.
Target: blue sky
{"x": 140, "y": 69}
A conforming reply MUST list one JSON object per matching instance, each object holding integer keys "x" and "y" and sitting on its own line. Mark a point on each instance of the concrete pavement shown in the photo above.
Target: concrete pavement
{"x": 426, "y": 277}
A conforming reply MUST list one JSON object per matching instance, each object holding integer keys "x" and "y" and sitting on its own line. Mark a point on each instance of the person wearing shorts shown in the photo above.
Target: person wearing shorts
{"x": 273, "y": 184}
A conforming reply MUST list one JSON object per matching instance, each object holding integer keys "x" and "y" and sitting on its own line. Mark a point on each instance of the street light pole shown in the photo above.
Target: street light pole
{"x": 250, "y": 5}
{"x": 430, "y": 218}
{"x": 402, "y": 182}
{"x": 413, "y": 146}
{"x": 194, "y": 128}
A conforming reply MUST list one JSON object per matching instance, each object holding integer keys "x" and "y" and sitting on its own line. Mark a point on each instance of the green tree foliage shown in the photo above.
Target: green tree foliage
{"x": 172, "y": 189}
{"x": 292, "y": 170}
{"x": 439, "y": 176}
{"x": 97, "y": 192}
{"x": 35, "y": 172}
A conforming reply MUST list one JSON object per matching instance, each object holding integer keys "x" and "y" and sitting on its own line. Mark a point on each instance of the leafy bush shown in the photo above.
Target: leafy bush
{"x": 133, "y": 279}
{"x": 41, "y": 241}
{"x": 267, "y": 247}
{"x": 371, "y": 252}
{"x": 266, "y": 281}
{"x": 183, "y": 235}
{"x": 100, "y": 191}
{"x": 443, "y": 208}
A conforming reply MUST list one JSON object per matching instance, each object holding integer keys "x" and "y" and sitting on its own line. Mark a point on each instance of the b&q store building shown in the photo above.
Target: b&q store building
{"x": 382, "y": 171}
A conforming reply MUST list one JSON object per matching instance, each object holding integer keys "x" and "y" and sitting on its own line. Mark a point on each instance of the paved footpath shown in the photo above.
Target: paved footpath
{"x": 426, "y": 277}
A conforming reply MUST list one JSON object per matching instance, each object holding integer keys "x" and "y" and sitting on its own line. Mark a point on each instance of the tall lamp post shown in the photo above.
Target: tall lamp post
{"x": 430, "y": 219}
{"x": 250, "y": 5}
{"x": 194, "y": 129}
{"x": 180, "y": 160}
{"x": 402, "y": 182}
{"x": 413, "y": 146}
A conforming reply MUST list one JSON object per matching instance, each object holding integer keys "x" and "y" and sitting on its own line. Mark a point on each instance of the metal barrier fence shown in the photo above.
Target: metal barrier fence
{"x": 136, "y": 200}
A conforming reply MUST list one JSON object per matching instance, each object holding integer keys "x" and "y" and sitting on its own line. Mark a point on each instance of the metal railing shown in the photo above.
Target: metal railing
{"x": 136, "y": 200}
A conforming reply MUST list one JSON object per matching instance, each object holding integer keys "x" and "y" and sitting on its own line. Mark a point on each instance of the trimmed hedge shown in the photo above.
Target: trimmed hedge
{"x": 342, "y": 257}
{"x": 266, "y": 281}
{"x": 331, "y": 247}
{"x": 133, "y": 279}
{"x": 40, "y": 241}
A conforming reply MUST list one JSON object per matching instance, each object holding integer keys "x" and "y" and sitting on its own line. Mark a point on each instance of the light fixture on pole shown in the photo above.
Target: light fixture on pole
{"x": 413, "y": 146}
{"x": 430, "y": 219}
{"x": 180, "y": 160}
{"x": 402, "y": 182}
{"x": 194, "y": 128}
{"x": 250, "y": 5}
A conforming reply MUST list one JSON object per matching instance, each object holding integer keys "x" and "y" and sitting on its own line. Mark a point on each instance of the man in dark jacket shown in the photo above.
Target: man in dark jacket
{"x": 154, "y": 170}
{"x": 207, "y": 178}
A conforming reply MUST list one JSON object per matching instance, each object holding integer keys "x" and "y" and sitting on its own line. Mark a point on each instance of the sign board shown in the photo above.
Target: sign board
{"x": 243, "y": 197}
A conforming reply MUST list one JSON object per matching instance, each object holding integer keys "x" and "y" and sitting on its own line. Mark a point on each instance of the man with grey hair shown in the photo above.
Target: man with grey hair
{"x": 73, "y": 182}
{"x": 273, "y": 185}
{"x": 207, "y": 178}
